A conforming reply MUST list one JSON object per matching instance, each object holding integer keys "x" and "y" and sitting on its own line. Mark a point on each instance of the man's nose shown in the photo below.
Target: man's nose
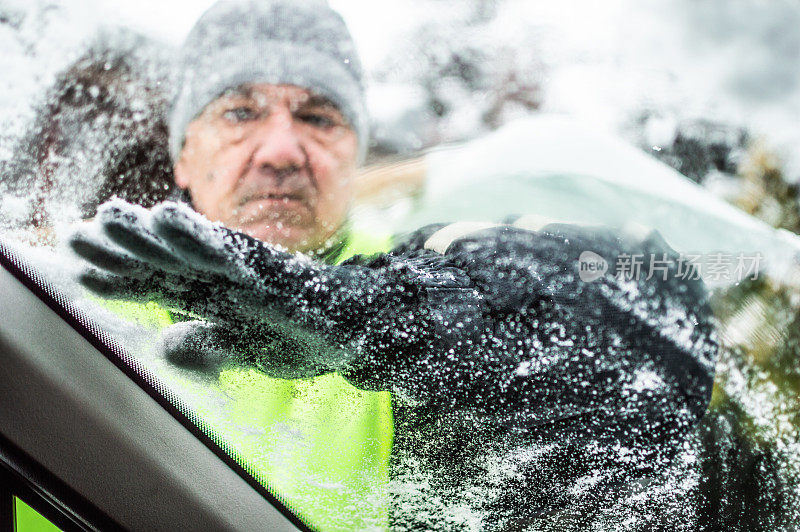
{"x": 277, "y": 143}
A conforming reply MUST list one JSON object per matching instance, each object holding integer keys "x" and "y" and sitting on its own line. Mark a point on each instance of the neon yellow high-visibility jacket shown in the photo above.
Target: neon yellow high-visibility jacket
{"x": 321, "y": 444}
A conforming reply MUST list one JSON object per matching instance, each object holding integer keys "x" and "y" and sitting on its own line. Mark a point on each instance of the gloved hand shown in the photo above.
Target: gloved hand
{"x": 254, "y": 298}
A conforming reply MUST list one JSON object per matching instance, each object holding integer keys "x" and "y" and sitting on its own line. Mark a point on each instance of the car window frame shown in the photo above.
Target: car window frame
{"x": 99, "y": 373}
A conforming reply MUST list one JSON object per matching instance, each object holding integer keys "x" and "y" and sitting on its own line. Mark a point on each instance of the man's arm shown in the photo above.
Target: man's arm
{"x": 497, "y": 322}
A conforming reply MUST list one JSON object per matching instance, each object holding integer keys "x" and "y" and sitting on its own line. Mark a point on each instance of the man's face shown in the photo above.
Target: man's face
{"x": 273, "y": 161}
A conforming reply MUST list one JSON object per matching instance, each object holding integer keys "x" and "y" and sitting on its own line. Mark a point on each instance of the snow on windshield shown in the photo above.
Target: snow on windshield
{"x": 637, "y": 116}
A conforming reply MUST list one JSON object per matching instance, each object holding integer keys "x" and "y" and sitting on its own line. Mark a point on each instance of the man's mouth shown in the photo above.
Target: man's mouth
{"x": 276, "y": 197}
{"x": 279, "y": 207}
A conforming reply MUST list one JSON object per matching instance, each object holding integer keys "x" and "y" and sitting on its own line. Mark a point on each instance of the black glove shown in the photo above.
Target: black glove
{"x": 285, "y": 314}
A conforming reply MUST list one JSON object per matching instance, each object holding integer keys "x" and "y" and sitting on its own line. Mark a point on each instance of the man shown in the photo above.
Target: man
{"x": 270, "y": 120}
{"x": 513, "y": 381}
{"x": 265, "y": 131}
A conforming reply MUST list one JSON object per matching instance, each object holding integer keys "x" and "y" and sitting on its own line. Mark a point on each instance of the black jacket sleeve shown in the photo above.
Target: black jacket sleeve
{"x": 502, "y": 325}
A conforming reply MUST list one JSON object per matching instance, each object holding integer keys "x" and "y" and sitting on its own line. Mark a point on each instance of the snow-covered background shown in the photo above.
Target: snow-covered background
{"x": 701, "y": 85}
{"x": 731, "y": 61}
{"x": 712, "y": 88}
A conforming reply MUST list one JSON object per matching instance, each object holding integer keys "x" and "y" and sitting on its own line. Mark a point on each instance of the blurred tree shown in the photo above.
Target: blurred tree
{"x": 99, "y": 131}
{"x": 472, "y": 81}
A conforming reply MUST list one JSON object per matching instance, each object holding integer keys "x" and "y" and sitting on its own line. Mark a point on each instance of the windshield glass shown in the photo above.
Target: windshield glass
{"x": 492, "y": 266}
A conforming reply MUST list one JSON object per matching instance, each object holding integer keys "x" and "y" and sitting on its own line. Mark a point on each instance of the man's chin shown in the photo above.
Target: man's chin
{"x": 290, "y": 237}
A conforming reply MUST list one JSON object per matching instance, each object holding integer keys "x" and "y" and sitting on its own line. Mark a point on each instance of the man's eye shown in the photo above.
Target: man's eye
{"x": 240, "y": 114}
{"x": 318, "y": 120}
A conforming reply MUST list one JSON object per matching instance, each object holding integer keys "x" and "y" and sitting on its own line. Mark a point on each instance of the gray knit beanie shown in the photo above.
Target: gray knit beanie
{"x": 294, "y": 42}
